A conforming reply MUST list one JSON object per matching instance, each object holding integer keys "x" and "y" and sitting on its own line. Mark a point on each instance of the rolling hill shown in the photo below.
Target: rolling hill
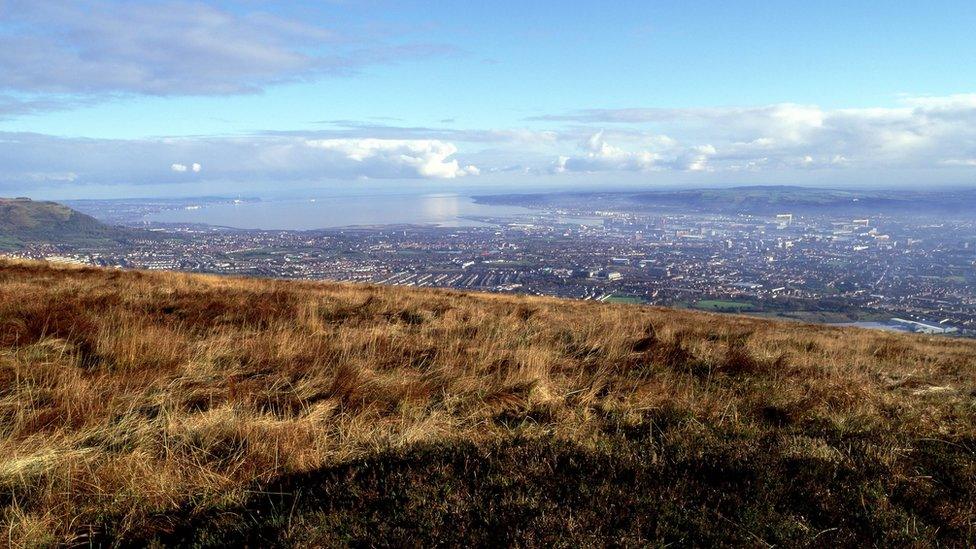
{"x": 25, "y": 221}
{"x": 145, "y": 408}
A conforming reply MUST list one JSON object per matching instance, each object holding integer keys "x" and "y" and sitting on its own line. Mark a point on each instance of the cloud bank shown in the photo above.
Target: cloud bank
{"x": 26, "y": 159}
{"x": 925, "y": 140}
{"x": 922, "y": 133}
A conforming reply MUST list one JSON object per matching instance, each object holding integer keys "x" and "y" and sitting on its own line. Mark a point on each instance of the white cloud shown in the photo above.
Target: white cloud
{"x": 183, "y": 168}
{"x": 601, "y": 156}
{"x": 968, "y": 162}
{"x": 923, "y": 133}
{"x": 663, "y": 153}
{"x": 428, "y": 158}
{"x": 51, "y": 177}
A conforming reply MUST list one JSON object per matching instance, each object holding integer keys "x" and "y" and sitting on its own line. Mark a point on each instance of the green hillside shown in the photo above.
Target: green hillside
{"x": 23, "y": 221}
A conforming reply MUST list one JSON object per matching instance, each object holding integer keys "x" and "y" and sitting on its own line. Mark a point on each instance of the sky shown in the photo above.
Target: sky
{"x": 103, "y": 98}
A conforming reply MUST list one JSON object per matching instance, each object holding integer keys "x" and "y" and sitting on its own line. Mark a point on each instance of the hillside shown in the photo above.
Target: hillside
{"x": 25, "y": 221}
{"x": 141, "y": 408}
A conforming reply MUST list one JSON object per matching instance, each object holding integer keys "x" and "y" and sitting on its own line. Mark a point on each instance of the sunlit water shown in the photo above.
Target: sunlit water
{"x": 444, "y": 210}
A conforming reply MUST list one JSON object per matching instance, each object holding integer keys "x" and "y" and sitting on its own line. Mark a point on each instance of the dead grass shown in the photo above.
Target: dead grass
{"x": 125, "y": 397}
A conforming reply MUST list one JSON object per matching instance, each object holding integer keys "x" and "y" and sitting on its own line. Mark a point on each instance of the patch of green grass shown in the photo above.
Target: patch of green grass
{"x": 624, "y": 298}
{"x": 257, "y": 253}
{"x": 824, "y": 317}
{"x": 723, "y": 306}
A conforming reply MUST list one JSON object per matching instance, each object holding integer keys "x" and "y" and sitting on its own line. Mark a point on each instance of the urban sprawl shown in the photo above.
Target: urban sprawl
{"x": 895, "y": 273}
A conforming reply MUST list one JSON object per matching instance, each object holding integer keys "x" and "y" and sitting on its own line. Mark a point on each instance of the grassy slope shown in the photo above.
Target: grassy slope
{"x": 38, "y": 221}
{"x": 139, "y": 407}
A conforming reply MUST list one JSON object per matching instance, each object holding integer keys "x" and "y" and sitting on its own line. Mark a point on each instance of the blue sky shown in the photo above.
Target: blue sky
{"x": 103, "y": 98}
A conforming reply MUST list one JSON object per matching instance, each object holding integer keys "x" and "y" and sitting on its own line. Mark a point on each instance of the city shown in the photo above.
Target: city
{"x": 896, "y": 272}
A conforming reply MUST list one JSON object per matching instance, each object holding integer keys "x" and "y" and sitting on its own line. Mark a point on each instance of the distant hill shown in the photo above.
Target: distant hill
{"x": 761, "y": 200}
{"x": 165, "y": 409}
{"x": 773, "y": 199}
{"x": 23, "y": 221}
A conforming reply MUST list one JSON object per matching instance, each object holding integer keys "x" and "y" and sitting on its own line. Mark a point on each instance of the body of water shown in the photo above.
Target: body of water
{"x": 445, "y": 210}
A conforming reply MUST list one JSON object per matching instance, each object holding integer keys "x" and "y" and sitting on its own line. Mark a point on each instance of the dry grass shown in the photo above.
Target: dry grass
{"x": 127, "y": 396}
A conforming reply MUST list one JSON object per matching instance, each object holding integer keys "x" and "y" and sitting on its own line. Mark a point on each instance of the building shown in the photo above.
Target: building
{"x": 924, "y": 327}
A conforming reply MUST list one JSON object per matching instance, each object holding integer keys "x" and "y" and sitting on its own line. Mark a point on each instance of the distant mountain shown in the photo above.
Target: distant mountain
{"x": 23, "y": 221}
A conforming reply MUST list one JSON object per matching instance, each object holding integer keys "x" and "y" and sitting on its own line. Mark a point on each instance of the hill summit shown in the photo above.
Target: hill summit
{"x": 23, "y": 220}
{"x": 160, "y": 408}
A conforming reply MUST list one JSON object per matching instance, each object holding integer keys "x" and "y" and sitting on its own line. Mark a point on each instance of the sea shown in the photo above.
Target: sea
{"x": 323, "y": 212}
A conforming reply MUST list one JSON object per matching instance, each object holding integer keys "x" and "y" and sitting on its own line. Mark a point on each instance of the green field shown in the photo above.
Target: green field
{"x": 624, "y": 298}
{"x": 721, "y": 305}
